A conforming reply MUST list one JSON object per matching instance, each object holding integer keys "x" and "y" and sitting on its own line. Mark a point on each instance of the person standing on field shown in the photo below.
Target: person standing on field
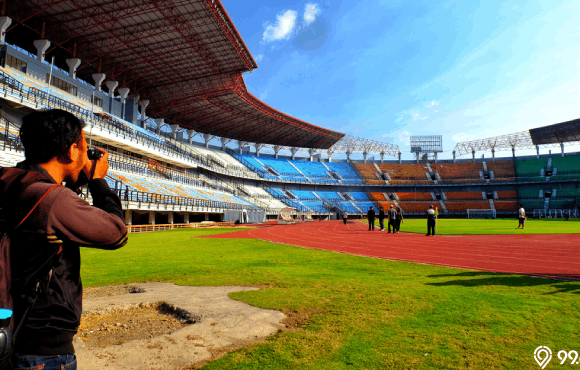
{"x": 392, "y": 215}
{"x": 522, "y": 217}
{"x": 371, "y": 219}
{"x": 344, "y": 216}
{"x": 382, "y": 218}
{"x": 430, "y": 221}
{"x": 399, "y": 220}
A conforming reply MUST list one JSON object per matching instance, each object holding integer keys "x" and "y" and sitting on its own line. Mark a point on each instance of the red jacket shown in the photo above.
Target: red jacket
{"x": 61, "y": 215}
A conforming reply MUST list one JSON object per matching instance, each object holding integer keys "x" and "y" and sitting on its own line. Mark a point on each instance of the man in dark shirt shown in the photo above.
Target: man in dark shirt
{"x": 56, "y": 152}
{"x": 431, "y": 221}
{"x": 392, "y": 215}
{"x": 371, "y": 219}
{"x": 382, "y": 218}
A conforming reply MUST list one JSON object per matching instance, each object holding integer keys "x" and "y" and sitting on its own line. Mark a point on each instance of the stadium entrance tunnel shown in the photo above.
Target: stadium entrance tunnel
{"x": 167, "y": 326}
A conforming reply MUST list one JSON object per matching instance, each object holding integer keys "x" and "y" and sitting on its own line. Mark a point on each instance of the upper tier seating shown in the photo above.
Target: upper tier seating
{"x": 464, "y": 195}
{"x": 329, "y": 195}
{"x": 459, "y": 171}
{"x": 359, "y": 196}
{"x": 572, "y": 192}
{"x": 367, "y": 172}
{"x": 528, "y": 192}
{"x": 312, "y": 170}
{"x": 304, "y": 195}
{"x": 410, "y": 171}
{"x": 464, "y": 206}
{"x": 530, "y": 167}
{"x": 414, "y": 197}
{"x": 570, "y": 164}
{"x": 502, "y": 169}
{"x": 346, "y": 171}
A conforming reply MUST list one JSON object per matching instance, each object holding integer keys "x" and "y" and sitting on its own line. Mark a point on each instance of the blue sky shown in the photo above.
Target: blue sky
{"x": 387, "y": 69}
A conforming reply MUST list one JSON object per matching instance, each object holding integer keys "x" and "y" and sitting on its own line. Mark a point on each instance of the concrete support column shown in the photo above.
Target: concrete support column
{"x": 191, "y": 133}
{"x": 473, "y": 154}
{"x": 277, "y": 149}
{"x": 562, "y": 147}
{"x": 174, "y": 129}
{"x": 365, "y": 154}
{"x": 329, "y": 152}
{"x": 99, "y": 78}
{"x": 400, "y": 158}
{"x": 224, "y": 141}
{"x": 111, "y": 85}
{"x": 513, "y": 151}
{"x": 418, "y": 155}
{"x": 207, "y": 216}
{"x": 348, "y": 153}
{"x": 241, "y": 145}
{"x": 73, "y": 64}
{"x": 151, "y": 218}
{"x": 186, "y": 218}
{"x": 294, "y": 151}
{"x": 258, "y": 148}
{"x": 123, "y": 92}
{"x": 5, "y": 22}
{"x": 170, "y": 218}
{"x": 493, "y": 154}
{"x": 311, "y": 152}
{"x": 128, "y": 217}
{"x": 454, "y": 156}
{"x": 382, "y": 154}
{"x": 537, "y": 151}
{"x": 207, "y": 138}
{"x": 435, "y": 157}
{"x": 143, "y": 104}
{"x": 159, "y": 123}
{"x": 41, "y": 48}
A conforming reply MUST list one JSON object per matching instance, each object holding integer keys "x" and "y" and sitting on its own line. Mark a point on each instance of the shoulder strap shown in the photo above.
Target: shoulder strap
{"x": 37, "y": 203}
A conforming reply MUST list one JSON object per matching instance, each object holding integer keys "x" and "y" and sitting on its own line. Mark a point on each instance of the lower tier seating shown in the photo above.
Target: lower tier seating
{"x": 464, "y": 195}
{"x": 464, "y": 206}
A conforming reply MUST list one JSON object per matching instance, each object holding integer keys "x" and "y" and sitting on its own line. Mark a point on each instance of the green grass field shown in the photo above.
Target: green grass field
{"x": 362, "y": 313}
{"x": 491, "y": 227}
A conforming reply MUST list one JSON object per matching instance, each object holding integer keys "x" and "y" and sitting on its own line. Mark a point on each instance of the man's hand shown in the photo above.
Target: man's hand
{"x": 97, "y": 169}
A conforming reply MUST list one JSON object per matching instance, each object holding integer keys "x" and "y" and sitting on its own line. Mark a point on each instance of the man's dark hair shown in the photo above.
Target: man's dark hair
{"x": 48, "y": 134}
{"x": 431, "y": 206}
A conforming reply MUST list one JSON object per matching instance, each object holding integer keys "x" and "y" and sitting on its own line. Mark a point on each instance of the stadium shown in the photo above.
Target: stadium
{"x": 159, "y": 83}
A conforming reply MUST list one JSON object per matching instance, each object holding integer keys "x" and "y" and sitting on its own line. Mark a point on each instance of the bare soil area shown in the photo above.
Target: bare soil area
{"x": 165, "y": 326}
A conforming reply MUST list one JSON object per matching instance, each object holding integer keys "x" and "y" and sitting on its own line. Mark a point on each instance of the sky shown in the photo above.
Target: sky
{"x": 388, "y": 69}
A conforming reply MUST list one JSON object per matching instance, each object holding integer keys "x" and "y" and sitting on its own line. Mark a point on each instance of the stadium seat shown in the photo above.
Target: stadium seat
{"x": 464, "y": 195}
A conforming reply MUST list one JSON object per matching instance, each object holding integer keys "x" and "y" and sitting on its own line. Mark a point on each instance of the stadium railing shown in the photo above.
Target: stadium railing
{"x": 135, "y": 229}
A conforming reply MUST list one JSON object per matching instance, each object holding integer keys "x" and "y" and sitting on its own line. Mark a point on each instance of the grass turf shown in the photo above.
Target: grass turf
{"x": 362, "y": 313}
{"x": 490, "y": 227}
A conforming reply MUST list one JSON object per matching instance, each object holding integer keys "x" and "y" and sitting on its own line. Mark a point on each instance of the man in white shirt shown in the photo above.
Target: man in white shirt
{"x": 522, "y": 217}
{"x": 431, "y": 221}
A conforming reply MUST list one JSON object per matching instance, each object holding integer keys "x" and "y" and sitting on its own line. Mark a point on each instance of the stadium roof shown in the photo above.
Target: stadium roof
{"x": 185, "y": 56}
{"x": 558, "y": 133}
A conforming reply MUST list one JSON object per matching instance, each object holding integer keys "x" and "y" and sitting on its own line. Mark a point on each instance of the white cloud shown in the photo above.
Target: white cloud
{"x": 282, "y": 29}
{"x": 431, "y": 104}
{"x": 462, "y": 136}
{"x": 311, "y": 12}
{"x": 259, "y": 57}
{"x": 404, "y": 137}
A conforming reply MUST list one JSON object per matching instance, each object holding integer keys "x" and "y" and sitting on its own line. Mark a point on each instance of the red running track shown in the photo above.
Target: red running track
{"x": 549, "y": 256}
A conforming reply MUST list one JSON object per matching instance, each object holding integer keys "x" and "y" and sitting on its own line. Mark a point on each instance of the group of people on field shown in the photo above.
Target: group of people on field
{"x": 394, "y": 219}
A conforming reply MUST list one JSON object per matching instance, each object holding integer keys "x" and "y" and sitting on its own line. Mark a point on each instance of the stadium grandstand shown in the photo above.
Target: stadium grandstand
{"x": 177, "y": 75}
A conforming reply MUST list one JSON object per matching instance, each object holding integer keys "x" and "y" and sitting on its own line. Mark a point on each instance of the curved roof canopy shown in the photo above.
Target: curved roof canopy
{"x": 185, "y": 56}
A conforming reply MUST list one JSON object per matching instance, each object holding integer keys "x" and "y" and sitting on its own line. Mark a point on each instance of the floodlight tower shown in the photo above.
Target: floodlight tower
{"x": 426, "y": 145}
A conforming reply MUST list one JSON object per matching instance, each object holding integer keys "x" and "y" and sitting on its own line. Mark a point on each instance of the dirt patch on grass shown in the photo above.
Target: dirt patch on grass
{"x": 112, "y": 290}
{"x": 139, "y": 322}
{"x": 298, "y": 319}
{"x": 167, "y": 326}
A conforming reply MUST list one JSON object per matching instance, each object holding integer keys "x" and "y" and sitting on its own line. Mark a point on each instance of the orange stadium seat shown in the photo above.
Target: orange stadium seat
{"x": 464, "y": 195}
{"x": 505, "y": 206}
{"x": 502, "y": 169}
{"x": 507, "y": 194}
{"x": 378, "y": 197}
{"x": 368, "y": 171}
{"x": 464, "y": 206}
{"x": 411, "y": 171}
{"x": 420, "y": 207}
{"x": 416, "y": 196}
{"x": 466, "y": 170}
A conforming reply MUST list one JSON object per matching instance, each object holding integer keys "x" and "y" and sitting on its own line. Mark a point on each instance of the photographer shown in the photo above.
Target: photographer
{"x": 60, "y": 222}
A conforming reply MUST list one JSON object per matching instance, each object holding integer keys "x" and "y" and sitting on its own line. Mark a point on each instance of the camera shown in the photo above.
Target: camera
{"x": 94, "y": 154}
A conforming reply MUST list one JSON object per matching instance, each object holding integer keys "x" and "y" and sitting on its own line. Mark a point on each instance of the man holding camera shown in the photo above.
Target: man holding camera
{"x": 47, "y": 224}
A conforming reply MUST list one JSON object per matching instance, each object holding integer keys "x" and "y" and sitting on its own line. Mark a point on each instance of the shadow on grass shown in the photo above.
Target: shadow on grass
{"x": 559, "y": 282}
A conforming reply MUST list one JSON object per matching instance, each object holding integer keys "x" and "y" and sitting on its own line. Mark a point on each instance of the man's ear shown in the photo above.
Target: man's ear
{"x": 73, "y": 152}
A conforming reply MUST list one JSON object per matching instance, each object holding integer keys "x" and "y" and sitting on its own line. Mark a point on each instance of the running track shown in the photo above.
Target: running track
{"x": 549, "y": 256}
